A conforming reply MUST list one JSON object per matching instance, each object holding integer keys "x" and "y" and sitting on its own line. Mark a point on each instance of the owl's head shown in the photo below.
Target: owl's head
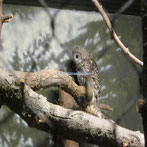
{"x": 79, "y": 54}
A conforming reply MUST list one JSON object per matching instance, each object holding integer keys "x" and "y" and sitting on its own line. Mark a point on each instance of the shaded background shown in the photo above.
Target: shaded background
{"x": 33, "y": 41}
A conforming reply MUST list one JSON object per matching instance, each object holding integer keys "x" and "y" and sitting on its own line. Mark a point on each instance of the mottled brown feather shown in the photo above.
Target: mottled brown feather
{"x": 85, "y": 64}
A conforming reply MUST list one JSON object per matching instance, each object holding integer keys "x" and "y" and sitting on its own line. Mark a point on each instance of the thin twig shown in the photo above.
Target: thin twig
{"x": 116, "y": 38}
{"x": 7, "y": 18}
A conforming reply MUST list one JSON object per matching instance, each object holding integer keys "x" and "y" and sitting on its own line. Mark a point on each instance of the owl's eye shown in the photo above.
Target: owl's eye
{"x": 77, "y": 56}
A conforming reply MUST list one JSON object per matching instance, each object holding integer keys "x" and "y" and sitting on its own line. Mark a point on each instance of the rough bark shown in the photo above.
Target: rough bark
{"x": 67, "y": 101}
{"x": 74, "y": 125}
{"x": 142, "y": 103}
{"x": 48, "y": 78}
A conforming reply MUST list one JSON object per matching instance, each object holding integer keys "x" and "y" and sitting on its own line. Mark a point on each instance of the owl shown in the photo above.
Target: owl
{"x": 87, "y": 72}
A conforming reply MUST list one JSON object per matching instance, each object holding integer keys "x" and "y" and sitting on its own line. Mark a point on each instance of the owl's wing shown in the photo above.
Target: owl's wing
{"x": 94, "y": 74}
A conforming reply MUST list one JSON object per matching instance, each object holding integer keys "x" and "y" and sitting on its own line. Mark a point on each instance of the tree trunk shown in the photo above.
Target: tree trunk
{"x": 142, "y": 103}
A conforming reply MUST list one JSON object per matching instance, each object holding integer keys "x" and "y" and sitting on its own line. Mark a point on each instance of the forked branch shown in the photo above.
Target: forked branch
{"x": 41, "y": 114}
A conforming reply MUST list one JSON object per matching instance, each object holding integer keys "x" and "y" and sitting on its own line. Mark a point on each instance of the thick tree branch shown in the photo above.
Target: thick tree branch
{"x": 116, "y": 38}
{"x": 89, "y": 128}
{"x": 48, "y": 78}
{"x": 69, "y": 103}
{"x": 74, "y": 125}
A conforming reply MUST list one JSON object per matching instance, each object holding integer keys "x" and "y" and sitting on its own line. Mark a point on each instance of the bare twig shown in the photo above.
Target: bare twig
{"x": 124, "y": 7}
{"x": 7, "y": 18}
{"x": 116, "y": 38}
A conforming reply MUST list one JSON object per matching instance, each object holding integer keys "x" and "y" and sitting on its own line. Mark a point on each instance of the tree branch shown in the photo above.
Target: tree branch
{"x": 69, "y": 103}
{"x": 3, "y": 18}
{"x": 74, "y": 125}
{"x": 116, "y": 38}
{"x": 48, "y": 78}
{"x": 7, "y": 18}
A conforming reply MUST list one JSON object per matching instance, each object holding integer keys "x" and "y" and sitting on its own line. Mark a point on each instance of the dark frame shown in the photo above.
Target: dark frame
{"x": 112, "y": 6}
